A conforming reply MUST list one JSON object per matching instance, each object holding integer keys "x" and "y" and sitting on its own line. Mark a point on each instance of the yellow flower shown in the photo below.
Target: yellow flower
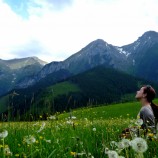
{"x": 72, "y": 153}
{"x": 150, "y": 134}
{"x": 17, "y": 155}
{"x": 1, "y": 146}
{"x": 138, "y": 117}
{"x": 6, "y": 146}
{"x": 75, "y": 123}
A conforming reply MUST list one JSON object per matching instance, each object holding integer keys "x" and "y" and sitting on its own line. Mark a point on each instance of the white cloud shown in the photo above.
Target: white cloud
{"x": 61, "y": 32}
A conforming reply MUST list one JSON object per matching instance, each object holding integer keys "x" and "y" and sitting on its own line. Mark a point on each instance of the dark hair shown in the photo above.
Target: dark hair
{"x": 149, "y": 90}
{"x": 150, "y": 93}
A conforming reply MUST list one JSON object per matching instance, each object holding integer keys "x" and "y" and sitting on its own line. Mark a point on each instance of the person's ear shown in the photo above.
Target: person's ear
{"x": 144, "y": 95}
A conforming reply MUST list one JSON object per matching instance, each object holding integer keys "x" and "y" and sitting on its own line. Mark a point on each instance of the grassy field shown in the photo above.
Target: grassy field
{"x": 86, "y": 132}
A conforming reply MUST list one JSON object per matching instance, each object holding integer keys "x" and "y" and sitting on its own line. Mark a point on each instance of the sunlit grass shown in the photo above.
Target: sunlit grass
{"x": 86, "y": 132}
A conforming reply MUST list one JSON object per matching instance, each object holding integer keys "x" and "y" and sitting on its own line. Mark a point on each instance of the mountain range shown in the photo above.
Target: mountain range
{"x": 138, "y": 59}
{"x": 34, "y": 78}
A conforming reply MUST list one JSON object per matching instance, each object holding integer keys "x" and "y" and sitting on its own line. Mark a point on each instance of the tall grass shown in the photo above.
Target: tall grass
{"x": 84, "y": 132}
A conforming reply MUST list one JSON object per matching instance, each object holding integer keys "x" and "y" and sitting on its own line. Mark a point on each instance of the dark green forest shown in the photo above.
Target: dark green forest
{"x": 97, "y": 86}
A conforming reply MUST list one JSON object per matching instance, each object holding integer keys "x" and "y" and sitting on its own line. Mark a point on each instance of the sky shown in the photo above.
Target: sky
{"x": 53, "y": 30}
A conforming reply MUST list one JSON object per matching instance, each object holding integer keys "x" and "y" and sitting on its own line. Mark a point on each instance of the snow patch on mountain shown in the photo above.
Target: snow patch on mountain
{"x": 121, "y": 51}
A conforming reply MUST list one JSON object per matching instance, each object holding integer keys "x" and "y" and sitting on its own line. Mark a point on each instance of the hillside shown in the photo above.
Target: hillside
{"x": 14, "y": 70}
{"x": 97, "y": 86}
{"x": 68, "y": 134}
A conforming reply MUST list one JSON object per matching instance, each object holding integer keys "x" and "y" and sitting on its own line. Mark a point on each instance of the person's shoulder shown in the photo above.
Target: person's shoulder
{"x": 145, "y": 109}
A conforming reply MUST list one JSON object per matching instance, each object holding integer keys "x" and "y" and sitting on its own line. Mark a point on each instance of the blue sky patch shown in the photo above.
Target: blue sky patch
{"x": 19, "y": 7}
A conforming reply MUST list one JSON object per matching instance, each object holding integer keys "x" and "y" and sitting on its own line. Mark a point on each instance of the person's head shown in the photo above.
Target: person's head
{"x": 146, "y": 93}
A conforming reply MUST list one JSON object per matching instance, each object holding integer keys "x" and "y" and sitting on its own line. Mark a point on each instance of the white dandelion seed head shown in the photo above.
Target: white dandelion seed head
{"x": 51, "y": 117}
{"x": 42, "y": 127}
{"x": 29, "y": 139}
{"x": 139, "y": 122}
{"x": 120, "y": 145}
{"x": 112, "y": 154}
{"x": 113, "y": 143}
{"x": 94, "y": 129}
{"x": 72, "y": 117}
{"x": 70, "y": 122}
{"x": 106, "y": 150}
{"x": 7, "y": 152}
{"x": 48, "y": 141}
{"x": 139, "y": 145}
{"x": 3, "y": 133}
{"x": 81, "y": 154}
{"x": 126, "y": 143}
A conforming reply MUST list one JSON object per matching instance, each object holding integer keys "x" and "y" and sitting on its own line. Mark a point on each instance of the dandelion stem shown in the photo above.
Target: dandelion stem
{"x": 3, "y": 148}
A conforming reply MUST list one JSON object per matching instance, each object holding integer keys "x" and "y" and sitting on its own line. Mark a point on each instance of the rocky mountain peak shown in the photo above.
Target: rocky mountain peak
{"x": 152, "y": 34}
{"x": 147, "y": 40}
{"x": 97, "y": 43}
{"x": 150, "y": 37}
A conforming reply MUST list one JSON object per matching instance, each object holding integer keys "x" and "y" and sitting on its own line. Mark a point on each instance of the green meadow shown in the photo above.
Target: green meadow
{"x": 87, "y": 133}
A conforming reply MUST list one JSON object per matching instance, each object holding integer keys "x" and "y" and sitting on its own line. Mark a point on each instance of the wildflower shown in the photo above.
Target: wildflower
{"x": 52, "y": 117}
{"x": 139, "y": 145}
{"x": 139, "y": 122}
{"x": 29, "y": 139}
{"x": 126, "y": 143}
{"x": 106, "y": 150}
{"x": 40, "y": 137}
{"x": 81, "y": 154}
{"x": 17, "y": 155}
{"x": 94, "y": 129}
{"x": 1, "y": 146}
{"x": 90, "y": 155}
{"x": 150, "y": 134}
{"x": 42, "y": 127}
{"x": 48, "y": 141}
{"x": 120, "y": 145}
{"x": 112, "y": 154}
{"x": 7, "y": 151}
{"x": 76, "y": 124}
{"x": 70, "y": 122}
{"x": 3, "y": 134}
{"x": 73, "y": 153}
{"x": 73, "y": 117}
{"x": 113, "y": 143}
